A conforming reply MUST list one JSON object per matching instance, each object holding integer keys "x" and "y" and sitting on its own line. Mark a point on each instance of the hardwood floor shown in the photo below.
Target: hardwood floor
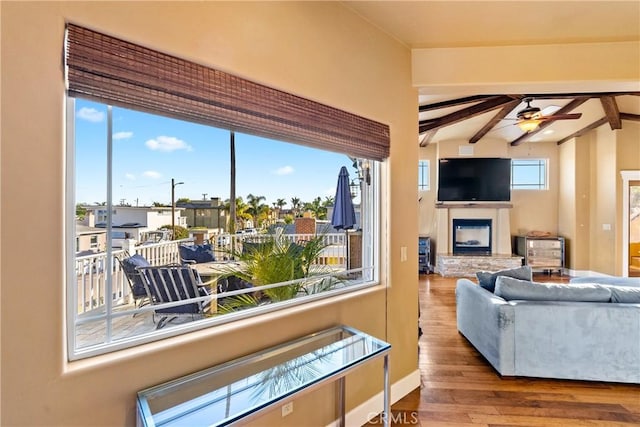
{"x": 460, "y": 388}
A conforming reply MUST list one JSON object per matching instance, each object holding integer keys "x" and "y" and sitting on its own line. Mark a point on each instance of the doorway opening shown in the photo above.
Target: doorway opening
{"x": 630, "y": 223}
{"x": 634, "y": 229}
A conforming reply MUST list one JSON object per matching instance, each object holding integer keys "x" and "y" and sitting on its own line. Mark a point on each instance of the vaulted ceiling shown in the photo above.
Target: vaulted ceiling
{"x": 475, "y": 117}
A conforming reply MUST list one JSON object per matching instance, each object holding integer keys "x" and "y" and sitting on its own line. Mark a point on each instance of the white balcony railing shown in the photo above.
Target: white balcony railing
{"x": 91, "y": 270}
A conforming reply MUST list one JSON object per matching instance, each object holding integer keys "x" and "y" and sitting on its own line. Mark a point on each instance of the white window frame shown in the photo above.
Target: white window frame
{"x": 370, "y": 247}
{"x": 543, "y": 177}
{"x": 424, "y": 166}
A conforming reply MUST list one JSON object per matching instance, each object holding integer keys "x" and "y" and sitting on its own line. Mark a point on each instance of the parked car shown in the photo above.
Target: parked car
{"x": 157, "y": 236}
{"x": 223, "y": 240}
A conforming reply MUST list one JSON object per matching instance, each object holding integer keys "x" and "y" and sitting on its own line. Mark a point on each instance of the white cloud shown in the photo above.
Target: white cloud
{"x": 90, "y": 114}
{"x": 130, "y": 176}
{"x": 122, "y": 135}
{"x": 167, "y": 144}
{"x": 152, "y": 174}
{"x": 285, "y": 170}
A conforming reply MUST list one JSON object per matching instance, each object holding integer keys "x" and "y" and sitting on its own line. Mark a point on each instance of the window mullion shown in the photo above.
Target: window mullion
{"x": 108, "y": 297}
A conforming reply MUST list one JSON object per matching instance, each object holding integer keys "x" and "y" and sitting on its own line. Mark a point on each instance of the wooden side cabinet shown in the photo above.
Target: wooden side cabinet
{"x": 424, "y": 255}
{"x": 541, "y": 253}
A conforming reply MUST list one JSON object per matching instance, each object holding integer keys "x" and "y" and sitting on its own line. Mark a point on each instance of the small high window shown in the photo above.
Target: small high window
{"x": 423, "y": 175}
{"x": 529, "y": 174}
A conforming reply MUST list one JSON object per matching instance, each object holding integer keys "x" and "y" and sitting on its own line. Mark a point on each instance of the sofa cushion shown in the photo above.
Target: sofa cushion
{"x": 488, "y": 280}
{"x": 514, "y": 289}
{"x": 197, "y": 253}
{"x": 625, "y": 294}
{"x": 609, "y": 280}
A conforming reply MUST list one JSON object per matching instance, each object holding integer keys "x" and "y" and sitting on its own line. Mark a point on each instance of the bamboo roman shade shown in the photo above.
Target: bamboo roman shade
{"x": 110, "y": 70}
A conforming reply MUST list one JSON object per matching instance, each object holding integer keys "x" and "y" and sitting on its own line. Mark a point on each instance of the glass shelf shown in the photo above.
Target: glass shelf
{"x": 241, "y": 388}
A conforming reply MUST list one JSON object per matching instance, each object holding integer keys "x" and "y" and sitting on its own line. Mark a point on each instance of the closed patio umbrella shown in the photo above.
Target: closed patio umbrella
{"x": 344, "y": 216}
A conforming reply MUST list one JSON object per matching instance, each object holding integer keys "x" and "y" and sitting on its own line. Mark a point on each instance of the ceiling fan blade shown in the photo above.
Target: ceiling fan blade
{"x": 570, "y": 116}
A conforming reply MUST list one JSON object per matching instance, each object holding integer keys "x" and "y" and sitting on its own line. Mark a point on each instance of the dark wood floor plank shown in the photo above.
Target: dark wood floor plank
{"x": 460, "y": 388}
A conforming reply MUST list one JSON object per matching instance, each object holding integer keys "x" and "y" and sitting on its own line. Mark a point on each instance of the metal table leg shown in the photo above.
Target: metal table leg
{"x": 341, "y": 401}
{"x": 387, "y": 407}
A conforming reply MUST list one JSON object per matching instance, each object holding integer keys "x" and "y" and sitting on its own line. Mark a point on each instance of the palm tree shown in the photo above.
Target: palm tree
{"x": 241, "y": 212}
{"x": 264, "y": 214}
{"x": 328, "y": 201}
{"x": 277, "y": 205}
{"x": 317, "y": 207}
{"x": 255, "y": 206}
{"x": 295, "y": 206}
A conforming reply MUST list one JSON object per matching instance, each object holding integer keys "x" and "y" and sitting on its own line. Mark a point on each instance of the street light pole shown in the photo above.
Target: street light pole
{"x": 173, "y": 208}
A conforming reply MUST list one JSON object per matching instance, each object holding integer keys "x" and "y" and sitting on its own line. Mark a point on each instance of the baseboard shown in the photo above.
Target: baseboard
{"x": 363, "y": 413}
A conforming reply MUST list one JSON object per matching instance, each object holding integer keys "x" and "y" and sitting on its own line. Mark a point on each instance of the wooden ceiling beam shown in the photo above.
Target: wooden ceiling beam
{"x": 584, "y": 130}
{"x": 610, "y": 107}
{"x": 494, "y": 121}
{"x": 427, "y": 137}
{"x": 567, "y": 108}
{"x": 466, "y": 113}
{"x": 454, "y": 102}
{"x": 632, "y": 117}
{"x": 478, "y": 98}
{"x": 577, "y": 95}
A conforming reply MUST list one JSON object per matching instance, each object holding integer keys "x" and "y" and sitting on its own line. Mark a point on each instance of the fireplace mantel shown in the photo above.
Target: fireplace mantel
{"x": 474, "y": 205}
{"x": 498, "y": 213}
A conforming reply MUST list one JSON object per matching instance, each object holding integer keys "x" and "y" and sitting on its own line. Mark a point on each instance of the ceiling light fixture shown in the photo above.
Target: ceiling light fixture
{"x": 528, "y": 125}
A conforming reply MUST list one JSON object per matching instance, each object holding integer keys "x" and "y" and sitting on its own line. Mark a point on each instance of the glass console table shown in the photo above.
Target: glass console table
{"x": 243, "y": 388}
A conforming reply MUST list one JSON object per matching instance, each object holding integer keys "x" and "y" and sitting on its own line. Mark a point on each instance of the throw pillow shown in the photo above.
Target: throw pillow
{"x": 197, "y": 253}
{"x": 625, "y": 294}
{"x": 514, "y": 289}
{"x": 487, "y": 279}
{"x": 129, "y": 266}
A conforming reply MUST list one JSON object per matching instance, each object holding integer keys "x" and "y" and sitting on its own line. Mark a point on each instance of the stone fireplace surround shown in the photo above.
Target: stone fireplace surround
{"x": 501, "y": 257}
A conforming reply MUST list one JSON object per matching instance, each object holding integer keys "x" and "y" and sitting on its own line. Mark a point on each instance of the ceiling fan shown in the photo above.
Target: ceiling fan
{"x": 529, "y": 118}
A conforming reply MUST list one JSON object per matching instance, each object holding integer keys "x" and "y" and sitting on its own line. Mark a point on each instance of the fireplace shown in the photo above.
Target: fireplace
{"x": 471, "y": 236}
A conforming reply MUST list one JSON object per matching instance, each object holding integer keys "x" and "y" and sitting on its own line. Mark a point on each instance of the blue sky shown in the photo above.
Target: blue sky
{"x": 149, "y": 150}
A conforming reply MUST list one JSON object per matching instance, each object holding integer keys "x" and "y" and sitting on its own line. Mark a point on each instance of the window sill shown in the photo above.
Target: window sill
{"x": 203, "y": 330}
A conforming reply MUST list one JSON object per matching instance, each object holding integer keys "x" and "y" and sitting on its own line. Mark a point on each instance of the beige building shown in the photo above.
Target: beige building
{"x": 319, "y": 50}
{"x": 90, "y": 239}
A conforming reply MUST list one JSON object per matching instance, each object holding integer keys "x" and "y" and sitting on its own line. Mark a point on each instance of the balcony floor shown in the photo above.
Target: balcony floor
{"x": 94, "y": 332}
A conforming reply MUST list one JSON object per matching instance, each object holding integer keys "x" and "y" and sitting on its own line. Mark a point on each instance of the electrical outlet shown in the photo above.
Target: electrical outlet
{"x": 403, "y": 254}
{"x": 606, "y": 227}
{"x": 287, "y": 409}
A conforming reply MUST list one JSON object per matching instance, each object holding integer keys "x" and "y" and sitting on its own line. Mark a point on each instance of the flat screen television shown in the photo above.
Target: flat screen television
{"x": 474, "y": 179}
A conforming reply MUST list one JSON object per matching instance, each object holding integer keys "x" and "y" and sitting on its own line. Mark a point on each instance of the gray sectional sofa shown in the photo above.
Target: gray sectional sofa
{"x": 570, "y": 331}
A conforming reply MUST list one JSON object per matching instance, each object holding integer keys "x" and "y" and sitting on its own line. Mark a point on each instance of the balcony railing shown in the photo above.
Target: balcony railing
{"x": 91, "y": 270}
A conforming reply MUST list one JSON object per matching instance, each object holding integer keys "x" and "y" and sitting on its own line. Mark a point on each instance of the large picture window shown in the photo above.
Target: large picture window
{"x": 197, "y": 198}
{"x": 146, "y": 187}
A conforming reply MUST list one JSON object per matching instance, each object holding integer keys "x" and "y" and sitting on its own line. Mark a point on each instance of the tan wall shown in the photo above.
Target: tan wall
{"x": 591, "y": 196}
{"x": 317, "y": 50}
{"x": 580, "y": 247}
{"x": 532, "y": 210}
{"x": 576, "y": 67}
{"x": 567, "y": 199}
{"x": 603, "y": 202}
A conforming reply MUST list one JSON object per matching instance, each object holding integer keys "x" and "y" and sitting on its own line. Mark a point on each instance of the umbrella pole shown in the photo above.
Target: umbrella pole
{"x": 346, "y": 238}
